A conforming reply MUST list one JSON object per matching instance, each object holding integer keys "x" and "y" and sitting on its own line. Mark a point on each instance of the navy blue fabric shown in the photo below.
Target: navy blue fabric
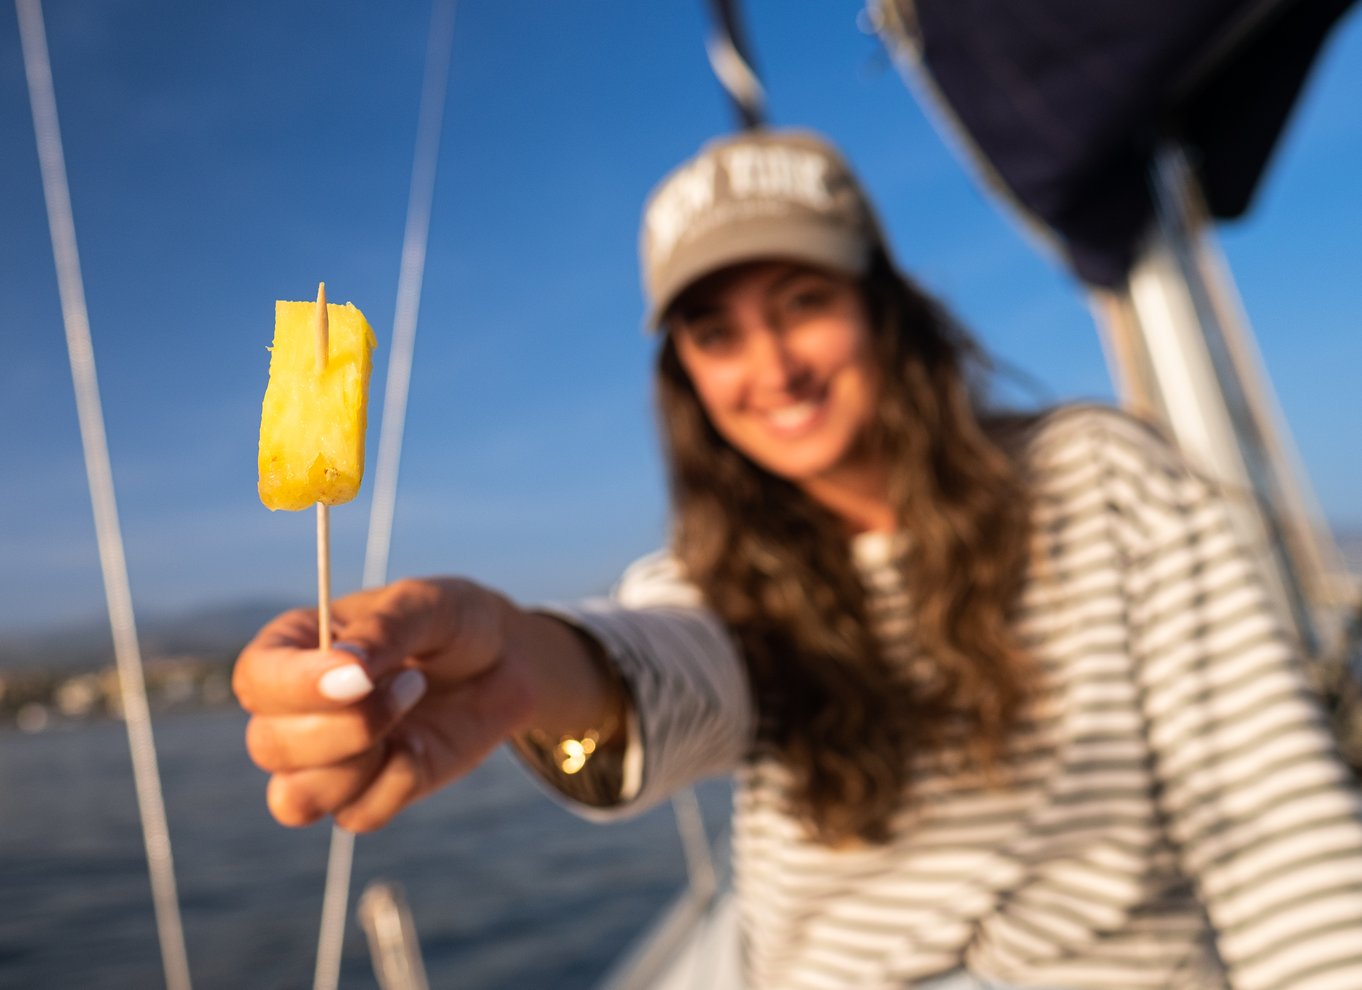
{"x": 1068, "y": 98}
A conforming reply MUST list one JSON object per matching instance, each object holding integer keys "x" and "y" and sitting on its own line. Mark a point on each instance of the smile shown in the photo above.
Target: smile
{"x": 795, "y": 418}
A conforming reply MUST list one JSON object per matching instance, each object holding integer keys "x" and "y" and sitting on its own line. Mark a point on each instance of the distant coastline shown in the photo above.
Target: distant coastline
{"x": 66, "y": 673}
{"x": 33, "y": 699}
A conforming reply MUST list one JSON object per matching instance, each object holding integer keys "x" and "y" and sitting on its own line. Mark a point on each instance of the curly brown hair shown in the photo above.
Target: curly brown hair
{"x": 778, "y": 569}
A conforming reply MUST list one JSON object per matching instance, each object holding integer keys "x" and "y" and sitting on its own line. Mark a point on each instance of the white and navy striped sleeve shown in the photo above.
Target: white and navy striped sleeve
{"x": 1264, "y": 814}
{"x": 691, "y": 713}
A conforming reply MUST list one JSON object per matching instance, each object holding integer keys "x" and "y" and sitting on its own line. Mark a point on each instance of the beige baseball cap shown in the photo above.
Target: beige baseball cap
{"x": 761, "y": 194}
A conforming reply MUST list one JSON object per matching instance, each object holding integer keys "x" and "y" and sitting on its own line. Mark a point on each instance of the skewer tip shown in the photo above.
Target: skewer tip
{"x": 323, "y": 335}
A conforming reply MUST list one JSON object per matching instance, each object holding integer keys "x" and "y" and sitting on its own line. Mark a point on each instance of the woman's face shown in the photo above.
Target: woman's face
{"x": 780, "y": 356}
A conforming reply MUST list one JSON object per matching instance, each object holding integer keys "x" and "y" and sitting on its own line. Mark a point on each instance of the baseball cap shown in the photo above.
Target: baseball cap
{"x": 759, "y": 194}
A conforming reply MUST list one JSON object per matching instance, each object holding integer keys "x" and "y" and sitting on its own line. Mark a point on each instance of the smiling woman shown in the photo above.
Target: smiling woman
{"x": 803, "y": 406}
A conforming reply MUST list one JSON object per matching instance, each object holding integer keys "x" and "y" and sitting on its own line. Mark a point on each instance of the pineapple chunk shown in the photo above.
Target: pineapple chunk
{"x": 312, "y": 423}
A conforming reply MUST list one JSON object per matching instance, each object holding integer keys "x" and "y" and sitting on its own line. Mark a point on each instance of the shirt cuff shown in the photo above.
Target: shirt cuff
{"x": 608, "y": 779}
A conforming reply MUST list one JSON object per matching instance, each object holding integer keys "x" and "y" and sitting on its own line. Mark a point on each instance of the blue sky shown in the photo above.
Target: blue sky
{"x": 225, "y": 155}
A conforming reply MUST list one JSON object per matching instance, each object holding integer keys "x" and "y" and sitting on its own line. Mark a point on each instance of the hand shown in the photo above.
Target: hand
{"x": 419, "y": 689}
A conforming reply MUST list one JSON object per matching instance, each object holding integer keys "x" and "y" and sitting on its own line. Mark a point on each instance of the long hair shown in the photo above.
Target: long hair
{"x": 778, "y": 569}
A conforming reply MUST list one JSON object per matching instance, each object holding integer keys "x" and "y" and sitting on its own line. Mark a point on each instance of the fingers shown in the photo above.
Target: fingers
{"x": 452, "y": 628}
{"x": 288, "y": 742}
{"x": 301, "y": 797}
{"x": 441, "y": 738}
{"x": 354, "y": 731}
{"x": 275, "y": 683}
{"x": 364, "y": 793}
{"x": 397, "y": 784}
{"x": 281, "y": 671}
{"x": 450, "y": 625}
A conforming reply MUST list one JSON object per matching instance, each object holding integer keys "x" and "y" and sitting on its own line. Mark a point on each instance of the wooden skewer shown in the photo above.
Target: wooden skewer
{"x": 323, "y": 515}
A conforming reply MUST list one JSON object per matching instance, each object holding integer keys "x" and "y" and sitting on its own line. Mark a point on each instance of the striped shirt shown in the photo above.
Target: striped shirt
{"x": 1175, "y": 815}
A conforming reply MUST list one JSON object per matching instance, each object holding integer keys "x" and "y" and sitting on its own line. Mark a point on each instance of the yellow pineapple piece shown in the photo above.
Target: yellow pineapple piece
{"x": 312, "y": 423}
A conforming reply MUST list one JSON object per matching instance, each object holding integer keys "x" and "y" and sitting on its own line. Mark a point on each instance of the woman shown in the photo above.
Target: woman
{"x": 1006, "y": 704}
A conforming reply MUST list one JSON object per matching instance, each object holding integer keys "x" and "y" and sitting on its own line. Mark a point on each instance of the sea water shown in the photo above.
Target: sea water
{"x": 508, "y": 890}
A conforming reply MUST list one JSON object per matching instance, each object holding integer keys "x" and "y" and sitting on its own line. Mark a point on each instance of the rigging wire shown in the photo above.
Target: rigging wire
{"x": 409, "y": 293}
{"x": 99, "y": 474}
{"x": 335, "y": 899}
{"x": 730, "y": 58}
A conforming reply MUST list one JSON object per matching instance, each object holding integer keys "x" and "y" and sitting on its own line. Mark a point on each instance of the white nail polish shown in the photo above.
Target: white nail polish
{"x": 348, "y": 683}
{"x": 407, "y": 689}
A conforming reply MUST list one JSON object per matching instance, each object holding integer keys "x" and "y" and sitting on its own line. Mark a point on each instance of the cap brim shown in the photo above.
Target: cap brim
{"x": 809, "y": 242}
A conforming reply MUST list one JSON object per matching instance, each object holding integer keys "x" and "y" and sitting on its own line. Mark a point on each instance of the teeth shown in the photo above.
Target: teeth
{"x": 791, "y": 417}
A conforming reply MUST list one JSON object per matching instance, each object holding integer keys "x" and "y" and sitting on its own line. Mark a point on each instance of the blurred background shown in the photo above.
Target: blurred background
{"x": 224, "y": 156}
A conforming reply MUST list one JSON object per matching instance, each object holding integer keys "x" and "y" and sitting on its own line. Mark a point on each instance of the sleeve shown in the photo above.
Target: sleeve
{"x": 690, "y": 712}
{"x": 1264, "y": 815}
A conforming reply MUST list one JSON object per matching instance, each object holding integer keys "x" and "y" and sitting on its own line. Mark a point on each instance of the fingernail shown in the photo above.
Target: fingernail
{"x": 348, "y": 683}
{"x": 407, "y": 689}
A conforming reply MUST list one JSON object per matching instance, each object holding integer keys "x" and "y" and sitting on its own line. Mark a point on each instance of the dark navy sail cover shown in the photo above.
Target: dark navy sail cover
{"x": 1067, "y": 99}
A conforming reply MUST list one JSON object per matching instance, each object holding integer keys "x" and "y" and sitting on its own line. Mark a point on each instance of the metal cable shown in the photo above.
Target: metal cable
{"x": 409, "y": 293}
{"x": 731, "y": 60}
{"x": 57, "y": 193}
{"x": 690, "y": 823}
{"x": 335, "y": 900}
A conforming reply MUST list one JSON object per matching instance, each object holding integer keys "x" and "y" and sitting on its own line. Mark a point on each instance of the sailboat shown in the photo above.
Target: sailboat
{"x": 1145, "y": 390}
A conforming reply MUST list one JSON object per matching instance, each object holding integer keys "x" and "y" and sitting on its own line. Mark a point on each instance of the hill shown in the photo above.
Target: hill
{"x": 216, "y": 631}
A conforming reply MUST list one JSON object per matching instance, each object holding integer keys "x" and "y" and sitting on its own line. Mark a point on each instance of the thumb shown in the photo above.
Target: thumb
{"x": 449, "y": 626}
